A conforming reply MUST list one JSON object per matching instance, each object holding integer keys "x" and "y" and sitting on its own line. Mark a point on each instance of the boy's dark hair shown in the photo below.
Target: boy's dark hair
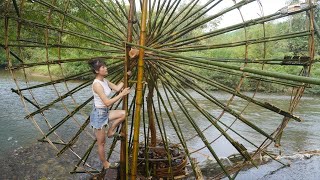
{"x": 95, "y": 64}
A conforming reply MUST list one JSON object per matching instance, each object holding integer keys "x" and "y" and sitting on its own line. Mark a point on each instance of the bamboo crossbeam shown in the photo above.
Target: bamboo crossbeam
{"x": 28, "y": 65}
{"x": 73, "y": 33}
{"x": 239, "y": 43}
{"x": 12, "y": 53}
{"x": 56, "y": 126}
{"x": 230, "y": 60}
{"x": 75, "y": 138}
{"x": 24, "y": 45}
{"x": 50, "y": 45}
{"x": 25, "y": 98}
{"x": 239, "y": 74}
{"x": 82, "y": 74}
{"x": 72, "y": 91}
{"x": 43, "y": 140}
{"x": 228, "y": 71}
{"x": 296, "y": 78}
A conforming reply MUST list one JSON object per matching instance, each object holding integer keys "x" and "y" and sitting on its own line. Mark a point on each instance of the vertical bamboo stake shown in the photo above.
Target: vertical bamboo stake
{"x": 139, "y": 91}
{"x": 152, "y": 126}
{"x": 124, "y": 157}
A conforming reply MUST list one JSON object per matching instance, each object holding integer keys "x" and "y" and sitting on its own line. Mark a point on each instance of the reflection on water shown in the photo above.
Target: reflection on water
{"x": 16, "y": 131}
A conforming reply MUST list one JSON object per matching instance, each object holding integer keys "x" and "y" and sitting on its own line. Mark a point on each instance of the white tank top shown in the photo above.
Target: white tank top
{"x": 96, "y": 99}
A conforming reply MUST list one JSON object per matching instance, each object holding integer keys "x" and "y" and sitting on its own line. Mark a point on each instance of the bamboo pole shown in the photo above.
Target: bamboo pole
{"x": 236, "y": 93}
{"x": 72, "y": 91}
{"x": 191, "y": 120}
{"x": 146, "y": 137}
{"x": 238, "y": 74}
{"x": 42, "y": 45}
{"x": 190, "y": 5}
{"x": 239, "y": 43}
{"x": 189, "y": 27}
{"x": 28, "y": 65}
{"x": 70, "y": 32}
{"x": 177, "y": 129}
{"x": 85, "y": 156}
{"x": 105, "y": 21}
{"x": 152, "y": 127}
{"x": 124, "y": 155}
{"x": 180, "y": 135}
{"x": 56, "y": 9}
{"x": 75, "y": 137}
{"x": 155, "y": 30}
{"x": 72, "y": 77}
{"x": 234, "y": 143}
{"x": 248, "y": 23}
{"x": 69, "y": 93}
{"x": 308, "y": 80}
{"x": 71, "y": 114}
{"x": 113, "y": 145}
{"x": 139, "y": 91}
{"x": 299, "y": 91}
{"x": 48, "y": 140}
{"x": 208, "y": 96}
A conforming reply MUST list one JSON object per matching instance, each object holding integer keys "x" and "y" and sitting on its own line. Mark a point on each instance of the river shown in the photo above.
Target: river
{"x": 19, "y": 133}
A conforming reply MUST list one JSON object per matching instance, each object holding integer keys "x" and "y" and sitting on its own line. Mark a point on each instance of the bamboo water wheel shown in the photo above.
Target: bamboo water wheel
{"x": 164, "y": 115}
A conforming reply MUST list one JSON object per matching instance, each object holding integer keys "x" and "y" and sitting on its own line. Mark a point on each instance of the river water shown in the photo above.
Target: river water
{"x": 17, "y": 132}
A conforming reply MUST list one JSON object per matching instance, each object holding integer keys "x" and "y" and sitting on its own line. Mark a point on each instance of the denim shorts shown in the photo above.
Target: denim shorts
{"x": 99, "y": 117}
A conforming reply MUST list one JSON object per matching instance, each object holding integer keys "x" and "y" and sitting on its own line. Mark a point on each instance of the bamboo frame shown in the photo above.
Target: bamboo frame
{"x": 160, "y": 45}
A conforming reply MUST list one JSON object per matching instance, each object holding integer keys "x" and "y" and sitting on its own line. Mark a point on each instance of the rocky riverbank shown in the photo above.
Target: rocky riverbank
{"x": 39, "y": 161}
